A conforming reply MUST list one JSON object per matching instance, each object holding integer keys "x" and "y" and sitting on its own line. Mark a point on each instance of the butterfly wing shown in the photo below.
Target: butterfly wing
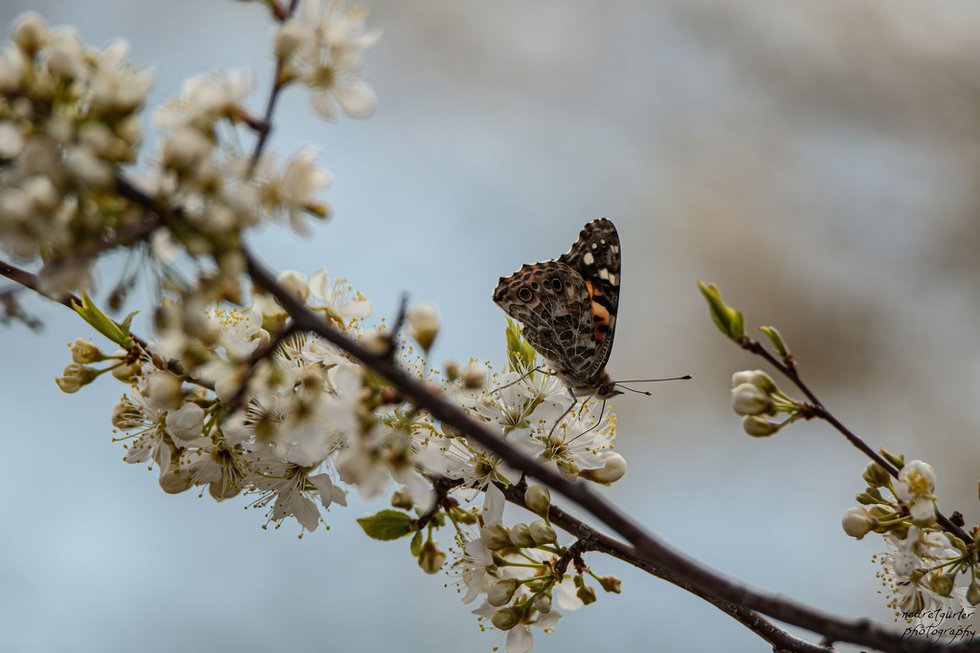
{"x": 595, "y": 256}
{"x": 552, "y": 302}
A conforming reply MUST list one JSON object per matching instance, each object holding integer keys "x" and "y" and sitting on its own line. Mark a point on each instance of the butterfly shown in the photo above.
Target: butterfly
{"x": 567, "y": 308}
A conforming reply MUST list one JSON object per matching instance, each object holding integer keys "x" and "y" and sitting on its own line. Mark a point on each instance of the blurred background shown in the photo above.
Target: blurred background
{"x": 817, "y": 159}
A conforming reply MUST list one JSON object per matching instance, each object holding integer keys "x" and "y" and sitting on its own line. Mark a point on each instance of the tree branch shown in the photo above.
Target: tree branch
{"x": 788, "y": 369}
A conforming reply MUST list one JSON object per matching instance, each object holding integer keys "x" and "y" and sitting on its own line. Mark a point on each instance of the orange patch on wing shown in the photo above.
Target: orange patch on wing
{"x": 600, "y": 316}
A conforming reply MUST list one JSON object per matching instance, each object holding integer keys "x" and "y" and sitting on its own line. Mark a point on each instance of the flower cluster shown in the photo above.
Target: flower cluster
{"x": 923, "y": 562}
{"x": 755, "y": 395}
{"x": 232, "y": 398}
{"x": 69, "y": 119}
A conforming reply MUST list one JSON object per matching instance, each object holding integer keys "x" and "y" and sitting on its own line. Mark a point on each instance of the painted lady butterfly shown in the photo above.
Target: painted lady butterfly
{"x": 568, "y": 308}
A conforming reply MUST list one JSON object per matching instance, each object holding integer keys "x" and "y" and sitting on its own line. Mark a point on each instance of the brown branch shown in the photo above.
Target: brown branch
{"x": 788, "y": 369}
{"x": 30, "y": 281}
{"x": 590, "y": 539}
{"x": 646, "y": 547}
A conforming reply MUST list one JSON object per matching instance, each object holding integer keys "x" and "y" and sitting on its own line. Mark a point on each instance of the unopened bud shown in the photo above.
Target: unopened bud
{"x": 505, "y": 619}
{"x": 520, "y": 535}
{"x": 452, "y": 370}
{"x": 538, "y": 499}
{"x": 758, "y": 427}
{"x": 84, "y": 351}
{"x": 494, "y": 537}
{"x": 586, "y": 594}
{"x": 174, "y": 482}
{"x": 857, "y": 522}
{"x": 875, "y": 475}
{"x": 542, "y": 532}
{"x": 613, "y": 469}
{"x": 402, "y": 498}
{"x": 163, "y": 390}
{"x": 126, "y": 372}
{"x": 973, "y": 593}
{"x": 611, "y": 584}
{"x": 295, "y": 283}
{"x": 423, "y": 319}
{"x": 474, "y": 376}
{"x": 501, "y": 592}
{"x": 30, "y": 32}
{"x": 431, "y": 557}
{"x": 74, "y": 376}
{"x": 747, "y": 399}
{"x": 543, "y": 603}
{"x": 942, "y": 584}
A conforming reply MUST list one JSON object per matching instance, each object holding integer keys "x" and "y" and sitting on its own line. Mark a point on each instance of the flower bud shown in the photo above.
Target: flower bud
{"x": 611, "y": 584}
{"x": 942, "y": 584}
{"x": 174, "y": 482}
{"x": 586, "y": 594}
{"x": 747, "y": 399}
{"x": 163, "y": 390}
{"x": 875, "y": 475}
{"x": 494, "y": 537}
{"x": 501, "y": 592}
{"x": 185, "y": 423}
{"x": 538, "y": 499}
{"x": 542, "y": 532}
{"x": 431, "y": 557}
{"x": 402, "y": 498}
{"x": 973, "y": 594}
{"x": 452, "y": 370}
{"x": 30, "y": 32}
{"x": 84, "y": 351}
{"x": 289, "y": 38}
{"x": 857, "y": 522}
{"x": 423, "y": 319}
{"x": 295, "y": 283}
{"x": 126, "y": 372}
{"x": 74, "y": 376}
{"x": 505, "y": 619}
{"x": 758, "y": 427}
{"x": 474, "y": 376}
{"x": 543, "y": 603}
{"x": 613, "y": 469}
{"x": 520, "y": 535}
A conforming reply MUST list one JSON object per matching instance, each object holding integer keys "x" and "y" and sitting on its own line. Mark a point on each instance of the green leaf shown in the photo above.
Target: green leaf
{"x": 127, "y": 321}
{"x": 101, "y": 322}
{"x": 520, "y": 354}
{"x": 387, "y": 525}
{"x": 727, "y": 319}
{"x": 776, "y": 339}
{"x": 416, "y": 545}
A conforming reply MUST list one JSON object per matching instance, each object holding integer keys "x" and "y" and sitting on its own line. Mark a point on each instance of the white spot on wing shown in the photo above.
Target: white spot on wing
{"x": 603, "y": 273}
{"x": 588, "y": 259}
{"x": 613, "y": 280}
{"x": 615, "y": 249}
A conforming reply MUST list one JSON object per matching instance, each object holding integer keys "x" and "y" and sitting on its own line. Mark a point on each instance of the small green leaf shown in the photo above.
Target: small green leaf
{"x": 520, "y": 354}
{"x": 776, "y": 339}
{"x": 727, "y": 319}
{"x": 386, "y": 525}
{"x": 127, "y": 321}
{"x": 101, "y": 322}
{"x": 416, "y": 545}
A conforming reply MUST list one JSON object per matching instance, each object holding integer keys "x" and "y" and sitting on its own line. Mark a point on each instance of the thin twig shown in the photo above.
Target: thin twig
{"x": 788, "y": 369}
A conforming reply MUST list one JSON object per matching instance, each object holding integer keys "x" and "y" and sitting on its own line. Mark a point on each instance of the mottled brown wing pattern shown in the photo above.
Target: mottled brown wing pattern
{"x": 595, "y": 256}
{"x": 552, "y": 302}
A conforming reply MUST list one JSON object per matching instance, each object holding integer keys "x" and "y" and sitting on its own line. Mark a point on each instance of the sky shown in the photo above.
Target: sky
{"x": 816, "y": 159}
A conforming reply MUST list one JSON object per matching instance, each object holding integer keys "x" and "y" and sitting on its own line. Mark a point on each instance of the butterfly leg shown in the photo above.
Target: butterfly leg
{"x": 593, "y": 427}
{"x": 565, "y": 414}
{"x": 524, "y": 376}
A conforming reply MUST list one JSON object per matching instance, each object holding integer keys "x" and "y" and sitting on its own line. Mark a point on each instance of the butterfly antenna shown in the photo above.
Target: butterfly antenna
{"x": 686, "y": 377}
{"x": 639, "y": 392}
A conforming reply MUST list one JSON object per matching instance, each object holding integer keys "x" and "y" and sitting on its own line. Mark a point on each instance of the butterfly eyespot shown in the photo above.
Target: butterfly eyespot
{"x": 534, "y": 285}
{"x": 525, "y": 294}
{"x": 556, "y": 284}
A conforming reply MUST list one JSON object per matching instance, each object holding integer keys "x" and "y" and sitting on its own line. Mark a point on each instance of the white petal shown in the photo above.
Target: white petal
{"x": 519, "y": 639}
{"x": 493, "y": 505}
{"x": 357, "y": 99}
